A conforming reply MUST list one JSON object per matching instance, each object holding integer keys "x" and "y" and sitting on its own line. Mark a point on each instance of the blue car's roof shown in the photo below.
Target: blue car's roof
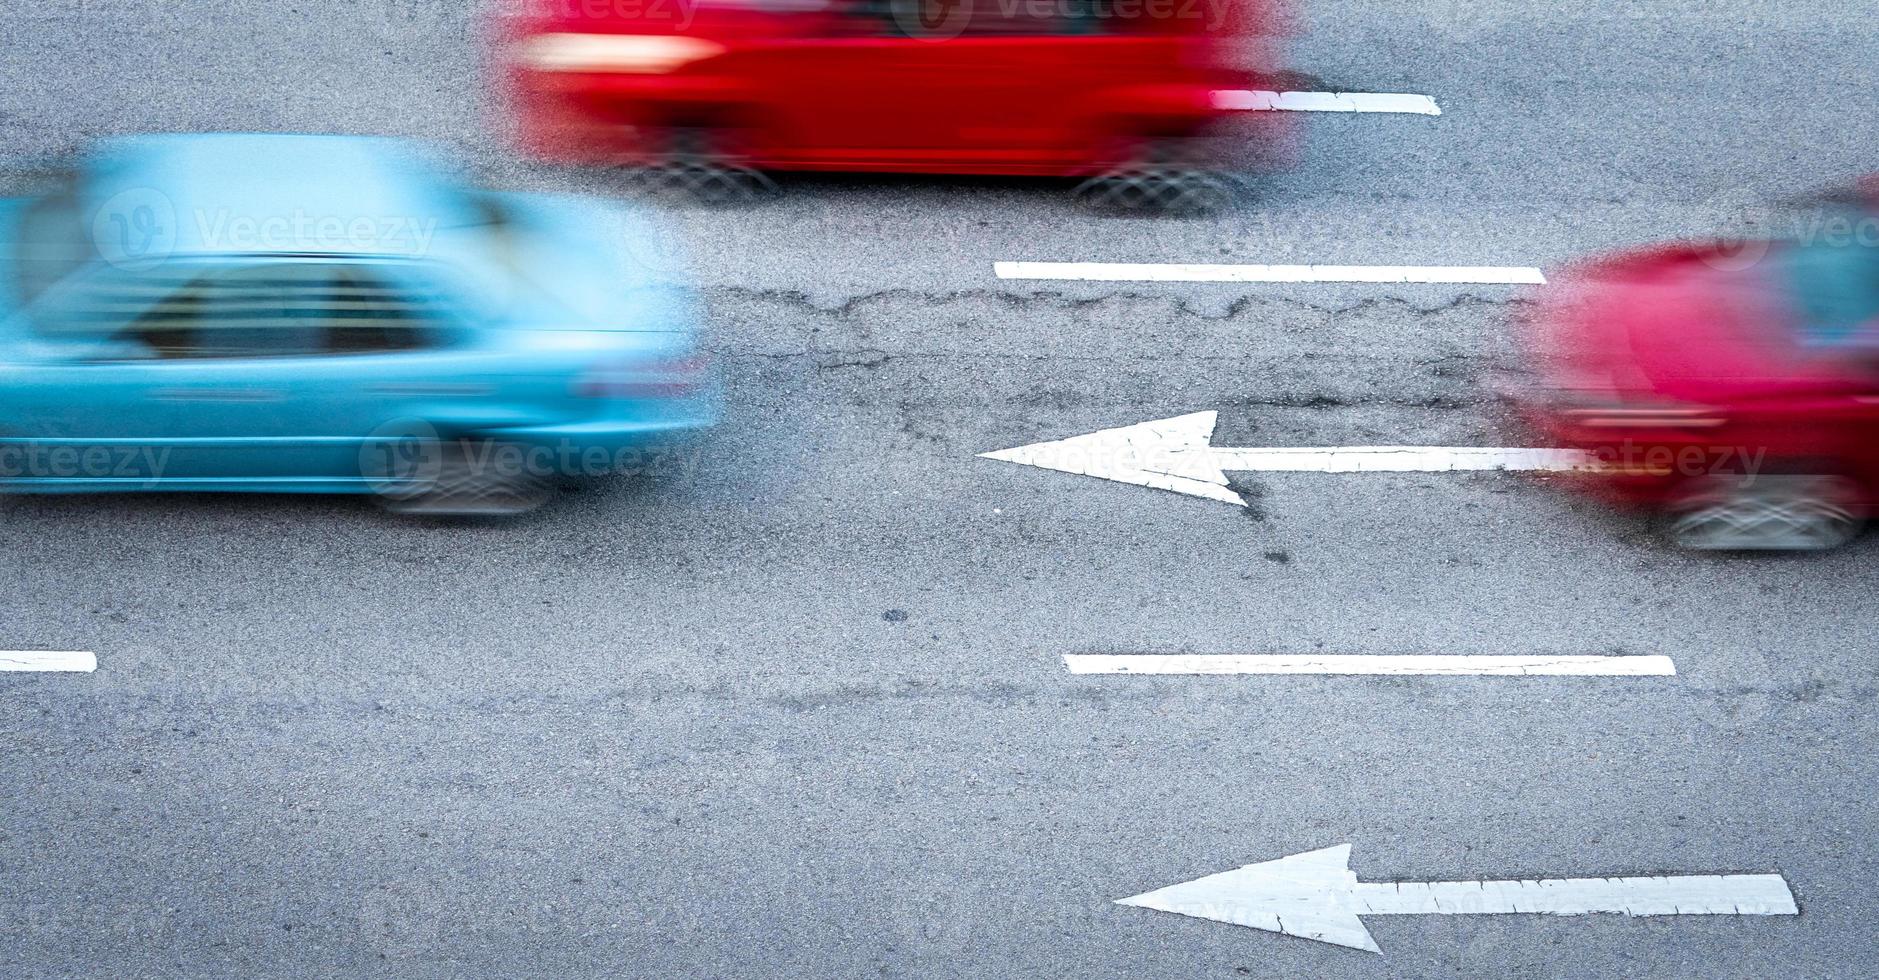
{"x": 152, "y": 203}
{"x": 280, "y": 193}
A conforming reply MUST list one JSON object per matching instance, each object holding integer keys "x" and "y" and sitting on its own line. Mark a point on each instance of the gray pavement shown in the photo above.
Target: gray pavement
{"x": 795, "y": 708}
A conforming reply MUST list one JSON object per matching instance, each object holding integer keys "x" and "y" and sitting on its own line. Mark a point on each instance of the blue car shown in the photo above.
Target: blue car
{"x": 323, "y": 314}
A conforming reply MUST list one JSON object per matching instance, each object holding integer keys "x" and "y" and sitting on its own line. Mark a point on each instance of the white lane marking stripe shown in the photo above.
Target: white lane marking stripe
{"x": 1401, "y": 459}
{"x": 1264, "y": 100}
{"x": 1204, "y": 272}
{"x": 1504, "y": 666}
{"x": 51, "y": 661}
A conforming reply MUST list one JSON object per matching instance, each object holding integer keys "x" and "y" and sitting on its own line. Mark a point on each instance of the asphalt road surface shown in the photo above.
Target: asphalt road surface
{"x": 795, "y": 706}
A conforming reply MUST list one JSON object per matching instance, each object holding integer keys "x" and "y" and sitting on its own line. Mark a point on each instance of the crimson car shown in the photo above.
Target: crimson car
{"x": 1038, "y": 87}
{"x": 1735, "y": 389}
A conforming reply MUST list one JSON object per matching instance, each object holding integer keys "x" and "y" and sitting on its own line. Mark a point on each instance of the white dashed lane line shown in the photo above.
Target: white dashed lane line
{"x": 1485, "y": 275}
{"x": 1256, "y": 100}
{"x": 1427, "y": 666}
{"x": 48, "y": 661}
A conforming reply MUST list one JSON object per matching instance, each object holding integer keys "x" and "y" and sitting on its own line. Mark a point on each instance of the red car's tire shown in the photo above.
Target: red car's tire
{"x": 699, "y": 165}
{"x": 1769, "y": 512}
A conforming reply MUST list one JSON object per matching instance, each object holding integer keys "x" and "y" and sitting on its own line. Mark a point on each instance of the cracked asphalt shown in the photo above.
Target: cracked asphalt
{"x": 794, "y": 705}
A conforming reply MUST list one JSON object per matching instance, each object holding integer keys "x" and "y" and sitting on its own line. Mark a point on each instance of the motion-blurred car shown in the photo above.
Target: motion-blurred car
{"x": 1734, "y": 387}
{"x": 1036, "y": 87}
{"x": 274, "y": 313}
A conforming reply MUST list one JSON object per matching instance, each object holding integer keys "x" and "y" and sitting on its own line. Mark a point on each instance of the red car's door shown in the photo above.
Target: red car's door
{"x": 977, "y": 84}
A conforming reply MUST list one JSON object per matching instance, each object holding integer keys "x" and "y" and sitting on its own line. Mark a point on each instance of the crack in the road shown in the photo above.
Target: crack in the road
{"x": 802, "y": 301}
{"x": 150, "y": 708}
{"x": 831, "y": 359}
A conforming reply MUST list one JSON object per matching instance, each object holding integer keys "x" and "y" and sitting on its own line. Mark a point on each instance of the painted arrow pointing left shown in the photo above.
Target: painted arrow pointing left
{"x": 1178, "y": 454}
{"x": 1316, "y": 896}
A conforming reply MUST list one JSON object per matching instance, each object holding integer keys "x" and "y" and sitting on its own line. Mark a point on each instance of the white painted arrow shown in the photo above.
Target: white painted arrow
{"x": 1177, "y": 454}
{"x": 1316, "y": 896}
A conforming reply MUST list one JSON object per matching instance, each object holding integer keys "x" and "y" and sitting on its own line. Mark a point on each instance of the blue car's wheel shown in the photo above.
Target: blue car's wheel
{"x": 471, "y": 478}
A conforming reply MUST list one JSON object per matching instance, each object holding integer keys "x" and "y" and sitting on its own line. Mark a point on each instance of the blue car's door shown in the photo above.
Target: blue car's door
{"x": 74, "y": 425}
{"x": 290, "y": 373}
{"x": 178, "y": 377}
{"x": 209, "y": 374}
{"x": 397, "y": 361}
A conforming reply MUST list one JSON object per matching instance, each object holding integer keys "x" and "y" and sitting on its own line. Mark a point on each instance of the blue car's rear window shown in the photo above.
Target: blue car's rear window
{"x": 262, "y": 308}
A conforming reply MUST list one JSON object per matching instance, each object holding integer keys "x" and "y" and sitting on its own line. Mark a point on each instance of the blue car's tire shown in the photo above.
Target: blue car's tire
{"x": 470, "y": 480}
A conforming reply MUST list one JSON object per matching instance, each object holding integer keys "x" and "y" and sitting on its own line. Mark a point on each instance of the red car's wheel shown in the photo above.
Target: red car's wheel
{"x": 697, "y": 166}
{"x": 1167, "y": 175}
{"x": 1769, "y": 513}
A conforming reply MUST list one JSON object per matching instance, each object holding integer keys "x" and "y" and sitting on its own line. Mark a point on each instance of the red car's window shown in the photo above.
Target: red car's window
{"x": 1033, "y": 17}
{"x": 941, "y": 20}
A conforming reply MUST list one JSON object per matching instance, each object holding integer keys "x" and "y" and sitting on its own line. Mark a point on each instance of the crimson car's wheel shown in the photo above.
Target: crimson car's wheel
{"x": 1157, "y": 190}
{"x": 1168, "y": 174}
{"x": 696, "y": 169}
{"x": 1786, "y": 512}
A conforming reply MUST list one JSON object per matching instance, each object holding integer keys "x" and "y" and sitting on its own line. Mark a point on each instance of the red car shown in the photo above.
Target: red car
{"x": 1736, "y": 389}
{"x": 1040, "y": 87}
